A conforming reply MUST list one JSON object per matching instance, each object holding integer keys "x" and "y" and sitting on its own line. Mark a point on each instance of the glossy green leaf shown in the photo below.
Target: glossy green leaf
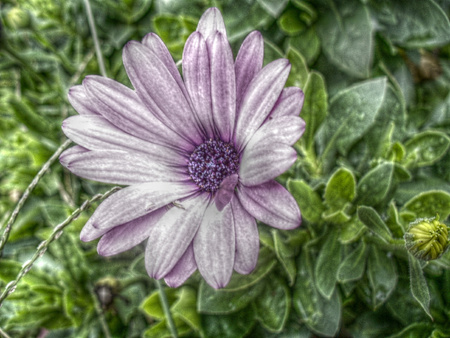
{"x": 419, "y": 287}
{"x": 299, "y": 70}
{"x": 376, "y": 184}
{"x": 352, "y": 267}
{"x": 426, "y": 148}
{"x": 428, "y": 203}
{"x": 328, "y": 263}
{"x": 308, "y": 43}
{"x": 290, "y": 22}
{"x": 152, "y": 304}
{"x": 346, "y": 32}
{"x": 315, "y": 107}
{"x": 186, "y": 307}
{"x": 160, "y": 330}
{"x": 382, "y": 275}
{"x": 373, "y": 221}
{"x": 415, "y": 24}
{"x": 322, "y": 316}
{"x": 340, "y": 189}
{"x": 308, "y": 200}
{"x": 222, "y": 301}
{"x": 352, "y": 113}
{"x": 273, "y": 304}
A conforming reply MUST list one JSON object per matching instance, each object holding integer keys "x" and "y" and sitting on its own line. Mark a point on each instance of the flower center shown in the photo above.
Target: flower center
{"x": 211, "y": 162}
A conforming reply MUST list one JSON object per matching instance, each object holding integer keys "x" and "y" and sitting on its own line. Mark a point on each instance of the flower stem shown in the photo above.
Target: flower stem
{"x": 170, "y": 324}
{"x": 27, "y": 192}
{"x": 100, "y": 314}
{"x": 42, "y": 248}
{"x": 98, "y": 51}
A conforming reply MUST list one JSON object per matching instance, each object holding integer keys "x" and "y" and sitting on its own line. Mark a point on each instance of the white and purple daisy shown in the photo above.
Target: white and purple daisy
{"x": 199, "y": 154}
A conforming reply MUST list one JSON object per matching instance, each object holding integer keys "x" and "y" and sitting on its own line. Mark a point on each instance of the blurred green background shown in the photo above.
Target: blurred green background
{"x": 374, "y": 157}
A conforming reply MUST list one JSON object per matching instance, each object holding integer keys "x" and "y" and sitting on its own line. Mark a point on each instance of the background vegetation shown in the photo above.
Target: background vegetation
{"x": 374, "y": 157}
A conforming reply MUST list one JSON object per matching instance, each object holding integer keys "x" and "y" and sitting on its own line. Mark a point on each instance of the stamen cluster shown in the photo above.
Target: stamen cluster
{"x": 211, "y": 162}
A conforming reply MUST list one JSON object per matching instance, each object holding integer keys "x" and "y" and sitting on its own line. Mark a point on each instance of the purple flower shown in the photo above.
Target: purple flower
{"x": 199, "y": 154}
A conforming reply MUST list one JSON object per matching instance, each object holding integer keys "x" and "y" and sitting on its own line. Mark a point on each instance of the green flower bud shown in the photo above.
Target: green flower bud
{"x": 427, "y": 238}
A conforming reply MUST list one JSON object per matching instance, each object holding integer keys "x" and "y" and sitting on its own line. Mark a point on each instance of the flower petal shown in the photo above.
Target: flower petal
{"x": 96, "y": 133}
{"x": 122, "y": 107}
{"x": 159, "y": 91}
{"x": 285, "y": 129}
{"x": 169, "y": 240}
{"x": 214, "y": 246}
{"x": 133, "y": 202}
{"x": 185, "y": 267}
{"x": 197, "y": 77}
{"x": 128, "y": 235}
{"x": 249, "y": 62}
{"x": 211, "y": 22}
{"x": 223, "y": 86}
{"x": 259, "y": 99}
{"x": 290, "y": 103}
{"x": 119, "y": 167}
{"x": 272, "y": 204}
{"x": 247, "y": 239}
{"x": 73, "y": 151}
{"x": 80, "y": 101}
{"x": 226, "y": 191}
{"x": 265, "y": 161}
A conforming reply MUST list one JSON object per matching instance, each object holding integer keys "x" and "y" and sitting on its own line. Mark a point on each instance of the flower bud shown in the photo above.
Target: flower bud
{"x": 427, "y": 238}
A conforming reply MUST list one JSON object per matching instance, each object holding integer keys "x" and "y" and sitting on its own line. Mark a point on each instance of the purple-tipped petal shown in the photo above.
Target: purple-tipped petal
{"x": 290, "y": 103}
{"x": 197, "y": 77}
{"x": 214, "y": 246}
{"x": 226, "y": 191}
{"x": 73, "y": 151}
{"x": 122, "y": 107}
{"x": 223, "y": 86}
{"x": 128, "y": 235}
{"x": 211, "y": 22}
{"x": 132, "y": 202}
{"x": 272, "y": 204}
{"x": 159, "y": 91}
{"x": 249, "y": 62}
{"x": 96, "y": 133}
{"x": 169, "y": 240}
{"x": 185, "y": 267}
{"x": 120, "y": 167}
{"x": 285, "y": 129}
{"x": 247, "y": 239}
{"x": 80, "y": 101}
{"x": 259, "y": 99}
{"x": 265, "y": 161}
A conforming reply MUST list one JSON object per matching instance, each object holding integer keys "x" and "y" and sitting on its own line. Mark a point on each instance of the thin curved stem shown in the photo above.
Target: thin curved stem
{"x": 98, "y": 51}
{"x": 57, "y": 232}
{"x": 162, "y": 296}
{"x": 27, "y": 192}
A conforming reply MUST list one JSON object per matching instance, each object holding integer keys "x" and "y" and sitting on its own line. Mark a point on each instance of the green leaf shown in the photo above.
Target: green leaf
{"x": 308, "y": 200}
{"x": 271, "y": 52}
{"x": 328, "y": 263}
{"x": 285, "y": 256}
{"x": 152, "y": 304}
{"x": 26, "y": 115}
{"x": 352, "y": 267}
{"x": 382, "y": 275}
{"x": 426, "y": 148}
{"x": 351, "y": 231}
{"x": 299, "y": 70}
{"x": 414, "y": 330}
{"x": 346, "y": 33}
{"x": 419, "y": 287}
{"x": 428, "y": 203}
{"x": 393, "y": 221}
{"x": 308, "y": 44}
{"x": 336, "y": 217}
{"x": 290, "y": 22}
{"x": 417, "y": 24}
{"x": 232, "y": 325}
{"x": 315, "y": 107}
{"x": 376, "y": 184}
{"x": 186, "y": 307}
{"x": 340, "y": 189}
{"x": 373, "y": 221}
{"x": 266, "y": 262}
{"x": 212, "y": 301}
{"x": 160, "y": 330}
{"x": 272, "y": 306}
{"x": 273, "y": 7}
{"x": 352, "y": 113}
{"x": 322, "y": 316}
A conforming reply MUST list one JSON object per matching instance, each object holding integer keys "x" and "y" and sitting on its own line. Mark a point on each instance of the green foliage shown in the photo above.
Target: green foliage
{"x": 374, "y": 157}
